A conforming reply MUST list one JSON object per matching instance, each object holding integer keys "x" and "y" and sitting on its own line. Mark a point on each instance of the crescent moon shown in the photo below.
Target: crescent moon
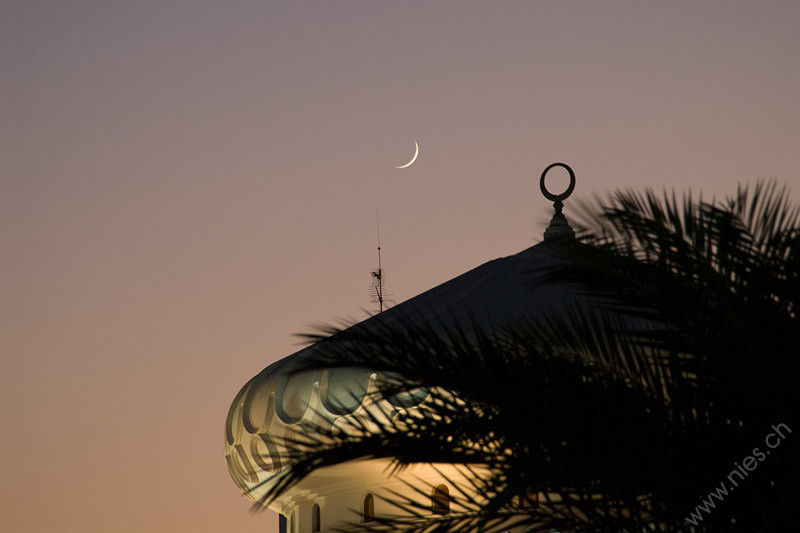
{"x": 416, "y": 153}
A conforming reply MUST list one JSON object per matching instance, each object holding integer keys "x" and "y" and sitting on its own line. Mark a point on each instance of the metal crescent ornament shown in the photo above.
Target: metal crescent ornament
{"x": 564, "y": 195}
{"x": 416, "y": 153}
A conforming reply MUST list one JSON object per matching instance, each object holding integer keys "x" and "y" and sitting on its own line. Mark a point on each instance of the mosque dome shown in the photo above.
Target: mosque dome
{"x": 280, "y": 402}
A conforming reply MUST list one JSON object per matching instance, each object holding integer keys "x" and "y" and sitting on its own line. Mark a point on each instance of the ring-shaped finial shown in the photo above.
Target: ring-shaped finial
{"x": 564, "y": 195}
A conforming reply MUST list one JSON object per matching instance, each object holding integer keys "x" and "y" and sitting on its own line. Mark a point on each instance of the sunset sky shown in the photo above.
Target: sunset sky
{"x": 184, "y": 185}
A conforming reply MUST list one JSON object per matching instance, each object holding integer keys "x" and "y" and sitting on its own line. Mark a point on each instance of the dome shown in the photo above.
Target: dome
{"x": 280, "y": 402}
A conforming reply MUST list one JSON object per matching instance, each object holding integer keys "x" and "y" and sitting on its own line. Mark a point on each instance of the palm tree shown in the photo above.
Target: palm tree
{"x": 626, "y": 411}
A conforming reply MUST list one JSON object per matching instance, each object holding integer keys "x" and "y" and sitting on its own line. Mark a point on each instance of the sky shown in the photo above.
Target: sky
{"x": 186, "y": 185}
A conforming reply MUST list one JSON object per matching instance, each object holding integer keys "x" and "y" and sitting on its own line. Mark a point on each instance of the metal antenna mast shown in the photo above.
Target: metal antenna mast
{"x": 377, "y": 275}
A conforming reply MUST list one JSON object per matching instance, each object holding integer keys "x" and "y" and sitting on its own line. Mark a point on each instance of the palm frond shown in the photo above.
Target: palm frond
{"x": 622, "y": 412}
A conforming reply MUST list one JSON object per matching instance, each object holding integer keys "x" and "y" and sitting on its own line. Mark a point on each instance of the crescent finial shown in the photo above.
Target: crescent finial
{"x": 559, "y": 228}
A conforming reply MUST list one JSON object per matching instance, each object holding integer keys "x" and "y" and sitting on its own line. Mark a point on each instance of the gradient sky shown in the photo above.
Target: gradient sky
{"x": 184, "y": 185}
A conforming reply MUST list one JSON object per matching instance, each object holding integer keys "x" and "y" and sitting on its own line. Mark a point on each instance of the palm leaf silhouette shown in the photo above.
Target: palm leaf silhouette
{"x": 624, "y": 409}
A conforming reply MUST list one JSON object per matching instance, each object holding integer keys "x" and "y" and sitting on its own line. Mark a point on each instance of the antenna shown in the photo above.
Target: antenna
{"x": 376, "y": 289}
